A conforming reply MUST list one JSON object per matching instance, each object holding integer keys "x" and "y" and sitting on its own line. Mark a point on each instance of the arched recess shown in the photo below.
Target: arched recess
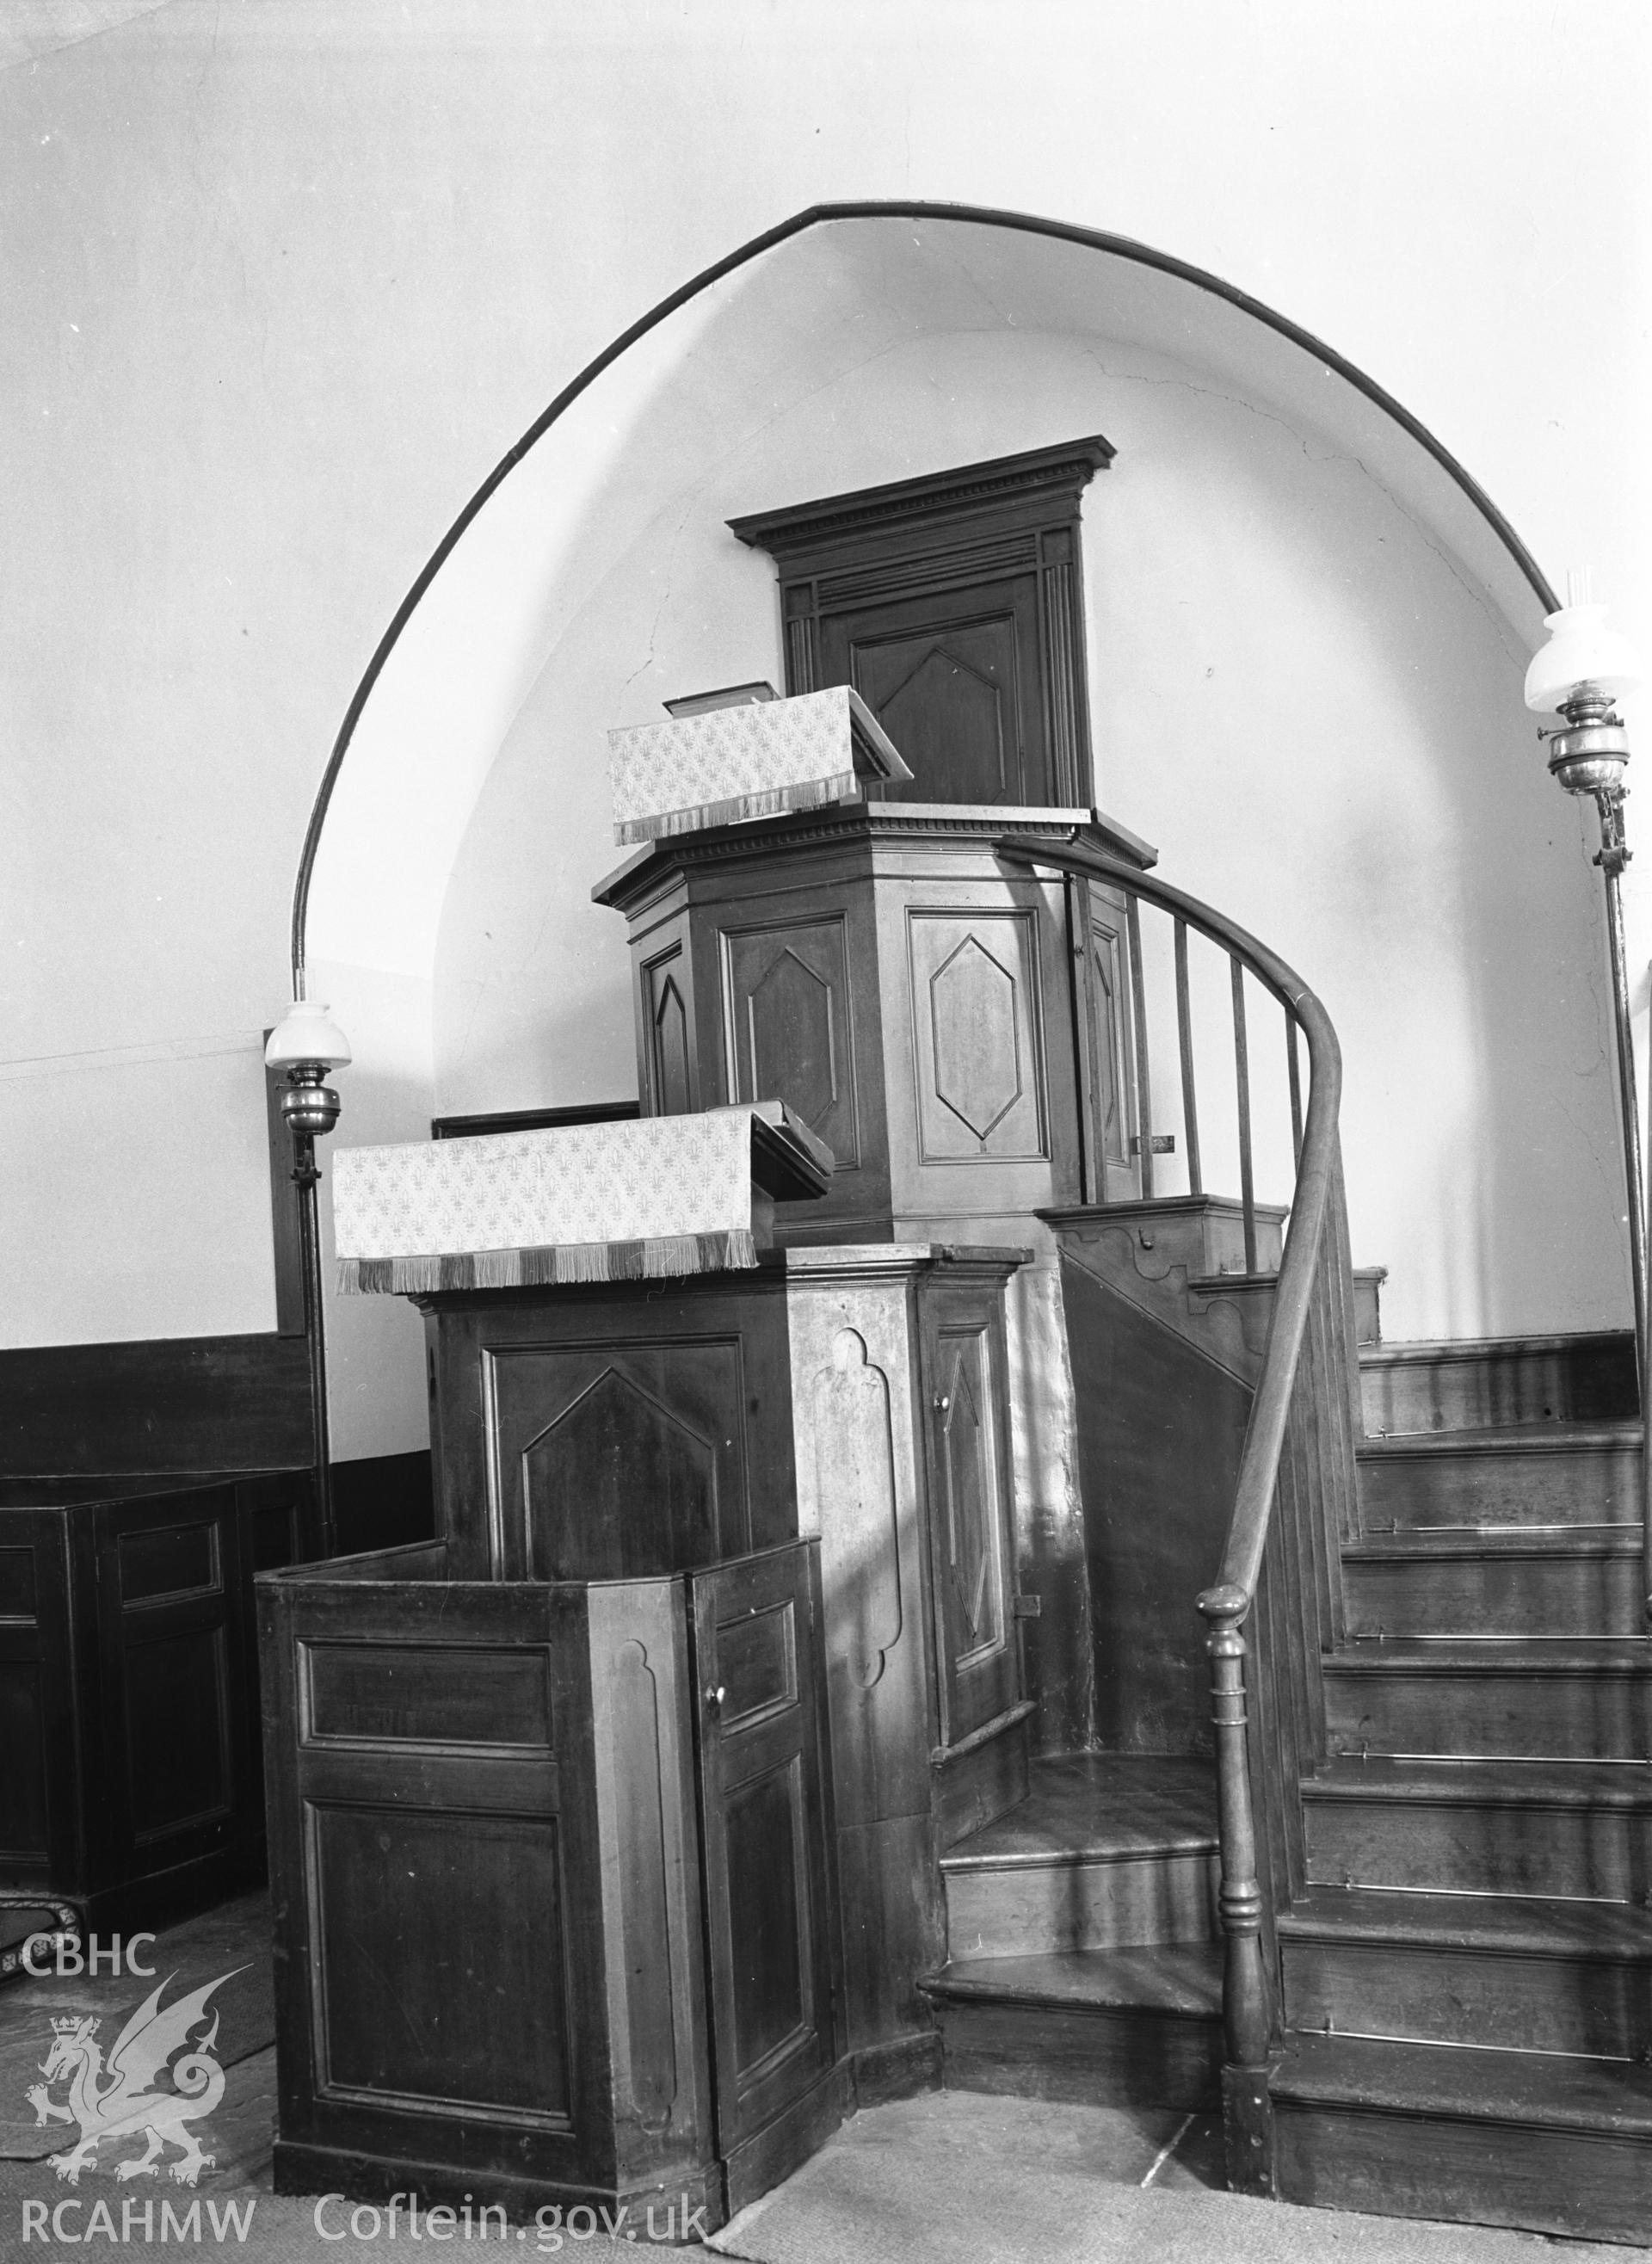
{"x": 1352, "y": 560}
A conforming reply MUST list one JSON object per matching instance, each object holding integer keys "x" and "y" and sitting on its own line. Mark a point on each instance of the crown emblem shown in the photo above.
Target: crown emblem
{"x": 72, "y": 2026}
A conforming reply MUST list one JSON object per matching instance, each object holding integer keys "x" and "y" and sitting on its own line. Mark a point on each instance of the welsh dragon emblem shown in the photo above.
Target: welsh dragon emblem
{"x": 117, "y": 2098}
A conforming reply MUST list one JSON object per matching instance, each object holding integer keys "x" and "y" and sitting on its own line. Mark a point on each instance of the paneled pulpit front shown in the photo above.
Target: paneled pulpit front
{"x": 634, "y": 1782}
{"x": 959, "y": 1033}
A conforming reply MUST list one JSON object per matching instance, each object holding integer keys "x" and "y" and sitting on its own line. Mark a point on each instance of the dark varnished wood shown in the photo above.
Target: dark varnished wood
{"x": 1565, "y": 1829}
{"x": 1466, "y": 1383}
{"x": 492, "y": 1787}
{"x": 1103, "y": 2027}
{"x": 127, "y": 1677}
{"x": 1105, "y": 1851}
{"x": 379, "y": 1501}
{"x": 765, "y": 1800}
{"x": 1495, "y": 2137}
{"x": 921, "y": 1010}
{"x": 1584, "y": 1701}
{"x": 162, "y": 1405}
{"x": 485, "y": 1122}
{"x": 971, "y": 1538}
{"x": 691, "y": 1404}
{"x": 452, "y": 1859}
{"x": 954, "y": 603}
{"x": 1488, "y": 1971}
{"x": 1550, "y": 1474}
{"x": 861, "y": 1318}
{"x": 653, "y": 1901}
{"x": 1160, "y": 1430}
{"x": 1278, "y": 1574}
{"x": 615, "y": 1430}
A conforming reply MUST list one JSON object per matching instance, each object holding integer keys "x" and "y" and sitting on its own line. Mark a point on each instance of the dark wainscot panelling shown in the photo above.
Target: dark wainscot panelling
{"x": 161, "y": 1406}
{"x": 128, "y": 1693}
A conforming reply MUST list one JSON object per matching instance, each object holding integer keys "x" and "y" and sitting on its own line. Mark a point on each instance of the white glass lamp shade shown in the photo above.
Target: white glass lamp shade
{"x": 1581, "y": 654}
{"x": 307, "y": 1033}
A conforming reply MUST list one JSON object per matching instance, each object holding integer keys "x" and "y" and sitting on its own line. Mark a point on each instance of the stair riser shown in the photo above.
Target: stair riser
{"x": 1470, "y": 1997}
{"x": 1097, "y": 2059}
{"x": 1024, "y": 1910}
{"x": 1581, "y": 1485}
{"x": 1590, "y": 1380}
{"x": 1395, "y": 2165}
{"x": 1490, "y": 1711}
{"x": 1495, "y": 1595}
{"x": 1598, "y": 1855}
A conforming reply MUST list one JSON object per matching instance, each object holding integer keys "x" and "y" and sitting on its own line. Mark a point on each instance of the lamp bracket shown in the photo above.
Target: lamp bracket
{"x": 1614, "y": 853}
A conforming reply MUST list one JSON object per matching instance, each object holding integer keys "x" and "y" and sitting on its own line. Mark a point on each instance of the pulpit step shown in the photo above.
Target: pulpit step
{"x": 1136, "y": 2027}
{"x": 1106, "y": 1852}
{"x": 1083, "y": 1963}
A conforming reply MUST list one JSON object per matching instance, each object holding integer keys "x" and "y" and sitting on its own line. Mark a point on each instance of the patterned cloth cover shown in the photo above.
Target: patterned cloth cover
{"x": 587, "y": 1202}
{"x": 749, "y": 761}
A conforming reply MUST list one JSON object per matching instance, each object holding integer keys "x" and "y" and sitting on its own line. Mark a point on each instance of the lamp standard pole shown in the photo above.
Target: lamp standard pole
{"x": 1577, "y": 676}
{"x": 305, "y": 1106}
{"x": 1611, "y": 856}
{"x": 307, "y": 1044}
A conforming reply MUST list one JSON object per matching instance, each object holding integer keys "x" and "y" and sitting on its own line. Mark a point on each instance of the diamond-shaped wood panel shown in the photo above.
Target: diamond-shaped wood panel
{"x": 788, "y": 1026}
{"x": 792, "y": 1057}
{"x": 977, "y": 1044}
{"x": 977, "y": 1055}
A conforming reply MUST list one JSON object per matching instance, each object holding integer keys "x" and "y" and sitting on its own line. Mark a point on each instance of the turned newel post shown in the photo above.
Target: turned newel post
{"x": 1247, "y": 2010}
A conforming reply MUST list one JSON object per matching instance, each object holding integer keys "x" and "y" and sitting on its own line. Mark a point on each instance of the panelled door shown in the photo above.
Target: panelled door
{"x": 768, "y": 1900}
{"x": 970, "y": 1542}
{"x": 954, "y": 679}
{"x": 39, "y": 1795}
{"x": 176, "y": 1671}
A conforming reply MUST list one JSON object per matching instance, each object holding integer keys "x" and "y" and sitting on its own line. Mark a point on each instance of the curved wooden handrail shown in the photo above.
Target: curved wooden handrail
{"x": 1259, "y": 1465}
{"x": 1246, "y": 1997}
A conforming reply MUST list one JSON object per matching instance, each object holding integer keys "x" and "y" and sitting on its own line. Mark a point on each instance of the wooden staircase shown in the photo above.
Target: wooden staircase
{"x": 1466, "y": 1976}
{"x": 1083, "y": 1958}
{"x": 1429, "y": 1693}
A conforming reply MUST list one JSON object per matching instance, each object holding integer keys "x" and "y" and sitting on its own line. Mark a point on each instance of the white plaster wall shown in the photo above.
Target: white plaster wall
{"x": 282, "y": 282}
{"x": 95, "y": 1149}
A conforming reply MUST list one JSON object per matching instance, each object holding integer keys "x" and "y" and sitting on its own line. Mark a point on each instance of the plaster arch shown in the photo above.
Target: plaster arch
{"x": 1335, "y": 557}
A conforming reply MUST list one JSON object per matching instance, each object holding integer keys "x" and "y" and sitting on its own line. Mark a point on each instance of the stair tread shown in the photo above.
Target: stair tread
{"x": 1502, "y": 1782}
{"x": 1617, "y": 1434}
{"x": 1628, "y": 1655}
{"x": 1446, "y": 1544}
{"x": 1097, "y": 1808}
{"x": 1176, "y": 1978}
{"x": 1514, "y": 1924}
{"x": 1546, "y": 2090}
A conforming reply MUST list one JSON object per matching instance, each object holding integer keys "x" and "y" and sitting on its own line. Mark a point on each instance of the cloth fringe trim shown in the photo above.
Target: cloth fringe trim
{"x": 659, "y": 1258}
{"x": 808, "y": 794}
